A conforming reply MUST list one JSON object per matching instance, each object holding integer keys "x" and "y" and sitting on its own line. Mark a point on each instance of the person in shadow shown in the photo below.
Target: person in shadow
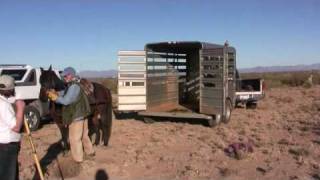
{"x": 101, "y": 175}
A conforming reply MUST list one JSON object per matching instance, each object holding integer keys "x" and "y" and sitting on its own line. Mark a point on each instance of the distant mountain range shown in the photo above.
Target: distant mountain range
{"x": 260, "y": 69}
{"x": 281, "y": 68}
{"x": 99, "y": 74}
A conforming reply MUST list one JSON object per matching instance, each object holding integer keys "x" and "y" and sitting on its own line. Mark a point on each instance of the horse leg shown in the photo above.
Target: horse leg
{"x": 91, "y": 130}
{"x": 65, "y": 138}
{"x": 98, "y": 136}
{"x": 64, "y": 131}
{"x": 94, "y": 127}
{"x": 106, "y": 123}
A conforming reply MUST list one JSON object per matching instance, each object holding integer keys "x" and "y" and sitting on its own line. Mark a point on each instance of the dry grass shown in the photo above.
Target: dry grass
{"x": 272, "y": 79}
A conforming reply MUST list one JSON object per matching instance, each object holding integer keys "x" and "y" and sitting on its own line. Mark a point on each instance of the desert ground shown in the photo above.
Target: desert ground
{"x": 284, "y": 131}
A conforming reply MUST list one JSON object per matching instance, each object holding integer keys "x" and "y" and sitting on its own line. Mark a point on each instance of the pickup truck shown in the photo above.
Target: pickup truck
{"x": 249, "y": 92}
{"x": 28, "y": 89}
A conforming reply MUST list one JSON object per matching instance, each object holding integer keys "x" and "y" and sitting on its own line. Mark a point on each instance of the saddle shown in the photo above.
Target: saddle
{"x": 91, "y": 89}
{"x": 88, "y": 89}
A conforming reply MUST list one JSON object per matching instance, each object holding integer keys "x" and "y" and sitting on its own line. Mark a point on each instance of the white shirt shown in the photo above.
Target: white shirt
{"x": 7, "y": 122}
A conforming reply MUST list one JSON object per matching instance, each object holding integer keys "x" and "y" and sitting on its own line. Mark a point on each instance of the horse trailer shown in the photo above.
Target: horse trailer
{"x": 178, "y": 79}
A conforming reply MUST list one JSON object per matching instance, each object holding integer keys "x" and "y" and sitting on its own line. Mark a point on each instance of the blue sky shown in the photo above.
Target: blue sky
{"x": 87, "y": 34}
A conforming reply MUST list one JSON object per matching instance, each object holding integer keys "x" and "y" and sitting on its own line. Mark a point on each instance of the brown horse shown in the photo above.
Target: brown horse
{"x": 100, "y": 102}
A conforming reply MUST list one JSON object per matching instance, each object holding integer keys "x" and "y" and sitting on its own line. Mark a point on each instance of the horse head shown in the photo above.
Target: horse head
{"x": 49, "y": 80}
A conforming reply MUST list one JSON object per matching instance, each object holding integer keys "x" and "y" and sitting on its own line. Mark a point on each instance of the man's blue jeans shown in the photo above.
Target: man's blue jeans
{"x": 9, "y": 168}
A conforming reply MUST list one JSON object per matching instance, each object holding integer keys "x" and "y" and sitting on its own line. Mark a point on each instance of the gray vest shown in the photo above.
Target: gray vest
{"x": 79, "y": 109}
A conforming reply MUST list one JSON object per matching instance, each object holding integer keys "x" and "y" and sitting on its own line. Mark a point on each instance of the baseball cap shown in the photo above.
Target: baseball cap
{"x": 6, "y": 82}
{"x": 69, "y": 70}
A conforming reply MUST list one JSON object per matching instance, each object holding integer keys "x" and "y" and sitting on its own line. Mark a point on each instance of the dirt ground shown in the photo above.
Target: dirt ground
{"x": 284, "y": 130}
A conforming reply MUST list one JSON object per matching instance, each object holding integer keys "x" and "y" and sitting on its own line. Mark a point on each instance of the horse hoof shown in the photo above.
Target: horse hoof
{"x": 106, "y": 147}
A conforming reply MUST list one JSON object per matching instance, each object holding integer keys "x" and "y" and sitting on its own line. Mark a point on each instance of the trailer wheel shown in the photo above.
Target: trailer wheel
{"x": 32, "y": 116}
{"x": 215, "y": 120}
{"x": 227, "y": 116}
{"x": 148, "y": 120}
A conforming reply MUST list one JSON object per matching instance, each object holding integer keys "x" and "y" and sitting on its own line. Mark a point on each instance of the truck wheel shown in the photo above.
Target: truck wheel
{"x": 227, "y": 116}
{"x": 251, "y": 105}
{"x": 214, "y": 121}
{"x": 148, "y": 120}
{"x": 33, "y": 117}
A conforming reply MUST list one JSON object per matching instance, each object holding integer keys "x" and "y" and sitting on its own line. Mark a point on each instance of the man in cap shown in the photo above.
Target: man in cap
{"x": 76, "y": 108}
{"x": 10, "y": 125}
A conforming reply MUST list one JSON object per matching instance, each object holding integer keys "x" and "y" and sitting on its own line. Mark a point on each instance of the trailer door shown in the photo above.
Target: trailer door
{"x": 131, "y": 80}
{"x": 211, "y": 81}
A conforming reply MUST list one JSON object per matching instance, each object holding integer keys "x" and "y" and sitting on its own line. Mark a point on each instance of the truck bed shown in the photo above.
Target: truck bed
{"x": 249, "y": 91}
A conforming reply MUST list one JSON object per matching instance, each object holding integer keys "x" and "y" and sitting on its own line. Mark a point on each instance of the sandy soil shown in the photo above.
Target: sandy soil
{"x": 285, "y": 130}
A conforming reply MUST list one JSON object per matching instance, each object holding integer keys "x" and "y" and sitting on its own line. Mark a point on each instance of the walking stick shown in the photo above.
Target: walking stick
{"x": 34, "y": 152}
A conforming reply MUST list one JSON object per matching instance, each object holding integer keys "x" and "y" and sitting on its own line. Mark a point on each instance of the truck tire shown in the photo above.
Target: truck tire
{"x": 33, "y": 117}
{"x": 227, "y": 116}
{"x": 251, "y": 105}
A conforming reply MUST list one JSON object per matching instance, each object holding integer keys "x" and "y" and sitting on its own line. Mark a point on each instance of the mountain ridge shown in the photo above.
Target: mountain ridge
{"x": 112, "y": 73}
{"x": 301, "y": 67}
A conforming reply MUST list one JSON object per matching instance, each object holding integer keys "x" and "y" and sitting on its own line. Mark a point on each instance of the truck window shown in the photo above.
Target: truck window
{"x": 17, "y": 74}
{"x": 31, "y": 79}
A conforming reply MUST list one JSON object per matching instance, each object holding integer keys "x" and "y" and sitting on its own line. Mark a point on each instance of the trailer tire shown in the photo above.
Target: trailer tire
{"x": 227, "y": 116}
{"x": 33, "y": 117}
{"x": 214, "y": 121}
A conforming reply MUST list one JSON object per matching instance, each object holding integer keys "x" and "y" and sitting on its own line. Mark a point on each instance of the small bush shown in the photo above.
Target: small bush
{"x": 299, "y": 152}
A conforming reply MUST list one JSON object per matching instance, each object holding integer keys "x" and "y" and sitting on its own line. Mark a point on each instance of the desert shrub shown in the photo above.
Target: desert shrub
{"x": 280, "y": 79}
{"x": 295, "y": 79}
{"x": 299, "y": 151}
{"x": 307, "y": 84}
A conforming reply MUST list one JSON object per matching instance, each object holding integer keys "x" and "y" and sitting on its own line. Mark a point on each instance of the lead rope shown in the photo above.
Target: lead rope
{"x": 34, "y": 152}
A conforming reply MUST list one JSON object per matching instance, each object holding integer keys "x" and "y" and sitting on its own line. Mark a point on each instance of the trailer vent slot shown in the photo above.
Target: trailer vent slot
{"x": 209, "y": 84}
{"x": 137, "y": 83}
{"x": 132, "y": 75}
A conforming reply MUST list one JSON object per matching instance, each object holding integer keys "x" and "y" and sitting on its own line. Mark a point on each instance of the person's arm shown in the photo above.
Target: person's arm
{"x": 13, "y": 120}
{"x": 20, "y": 104}
{"x": 71, "y": 95}
{"x": 60, "y": 93}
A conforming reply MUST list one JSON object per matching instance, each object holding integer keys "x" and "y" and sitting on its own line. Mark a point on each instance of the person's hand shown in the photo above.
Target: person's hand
{"x": 52, "y": 95}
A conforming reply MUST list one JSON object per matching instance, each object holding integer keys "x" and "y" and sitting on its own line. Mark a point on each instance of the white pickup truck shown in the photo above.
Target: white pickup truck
{"x": 249, "y": 92}
{"x": 28, "y": 89}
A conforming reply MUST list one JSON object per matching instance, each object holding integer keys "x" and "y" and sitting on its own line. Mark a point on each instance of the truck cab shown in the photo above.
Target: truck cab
{"x": 28, "y": 88}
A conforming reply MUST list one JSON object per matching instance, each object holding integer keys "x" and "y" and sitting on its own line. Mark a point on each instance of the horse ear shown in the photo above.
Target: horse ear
{"x": 41, "y": 69}
{"x": 50, "y": 68}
